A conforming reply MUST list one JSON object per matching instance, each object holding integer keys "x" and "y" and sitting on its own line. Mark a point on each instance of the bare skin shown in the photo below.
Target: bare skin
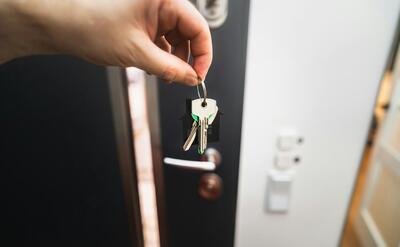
{"x": 154, "y": 35}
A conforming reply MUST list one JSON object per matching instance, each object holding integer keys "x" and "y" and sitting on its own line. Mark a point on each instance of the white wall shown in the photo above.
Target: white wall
{"x": 315, "y": 66}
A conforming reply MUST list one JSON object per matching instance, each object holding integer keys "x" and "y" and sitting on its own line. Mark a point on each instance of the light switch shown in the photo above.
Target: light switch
{"x": 284, "y": 161}
{"x": 288, "y": 141}
{"x": 278, "y": 193}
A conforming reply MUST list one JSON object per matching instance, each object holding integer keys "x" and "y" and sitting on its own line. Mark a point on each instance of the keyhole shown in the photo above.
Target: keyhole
{"x": 211, "y": 4}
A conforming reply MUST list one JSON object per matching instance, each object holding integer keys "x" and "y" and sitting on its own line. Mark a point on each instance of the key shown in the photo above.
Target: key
{"x": 202, "y": 135}
{"x": 207, "y": 122}
{"x": 203, "y": 113}
{"x": 189, "y": 141}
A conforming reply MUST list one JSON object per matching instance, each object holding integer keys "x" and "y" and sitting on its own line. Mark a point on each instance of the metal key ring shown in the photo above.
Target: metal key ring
{"x": 203, "y": 86}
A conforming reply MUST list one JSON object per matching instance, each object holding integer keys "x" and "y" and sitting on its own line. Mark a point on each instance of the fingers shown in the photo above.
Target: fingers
{"x": 192, "y": 26}
{"x": 182, "y": 27}
{"x": 180, "y": 21}
{"x": 165, "y": 65}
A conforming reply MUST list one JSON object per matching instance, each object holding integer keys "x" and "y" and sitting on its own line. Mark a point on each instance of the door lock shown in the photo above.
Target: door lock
{"x": 214, "y": 11}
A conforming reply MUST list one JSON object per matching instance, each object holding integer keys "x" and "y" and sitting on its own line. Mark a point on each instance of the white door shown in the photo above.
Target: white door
{"x": 378, "y": 219}
{"x": 313, "y": 73}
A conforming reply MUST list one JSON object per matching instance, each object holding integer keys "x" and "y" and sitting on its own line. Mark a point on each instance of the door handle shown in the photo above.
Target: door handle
{"x": 190, "y": 164}
{"x": 209, "y": 161}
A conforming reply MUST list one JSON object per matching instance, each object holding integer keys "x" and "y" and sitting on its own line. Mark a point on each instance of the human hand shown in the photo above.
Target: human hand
{"x": 154, "y": 35}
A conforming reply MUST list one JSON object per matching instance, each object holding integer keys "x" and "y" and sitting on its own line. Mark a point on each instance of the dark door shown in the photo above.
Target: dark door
{"x": 66, "y": 175}
{"x": 192, "y": 220}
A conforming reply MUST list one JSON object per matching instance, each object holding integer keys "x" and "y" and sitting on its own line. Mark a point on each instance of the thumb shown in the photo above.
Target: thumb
{"x": 166, "y": 66}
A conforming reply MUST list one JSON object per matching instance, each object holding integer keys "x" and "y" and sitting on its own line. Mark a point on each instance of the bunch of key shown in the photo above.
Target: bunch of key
{"x": 203, "y": 112}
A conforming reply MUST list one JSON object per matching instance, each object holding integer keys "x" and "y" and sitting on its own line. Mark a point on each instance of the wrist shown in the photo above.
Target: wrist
{"x": 23, "y": 29}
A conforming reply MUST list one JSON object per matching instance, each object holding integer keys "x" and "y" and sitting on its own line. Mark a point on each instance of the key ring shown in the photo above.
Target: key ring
{"x": 203, "y": 86}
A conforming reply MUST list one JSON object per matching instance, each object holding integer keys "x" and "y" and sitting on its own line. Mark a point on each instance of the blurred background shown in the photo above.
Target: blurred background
{"x": 306, "y": 145}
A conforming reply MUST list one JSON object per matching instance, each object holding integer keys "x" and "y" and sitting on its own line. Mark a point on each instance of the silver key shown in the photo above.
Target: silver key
{"x": 204, "y": 113}
{"x": 202, "y": 135}
{"x": 189, "y": 141}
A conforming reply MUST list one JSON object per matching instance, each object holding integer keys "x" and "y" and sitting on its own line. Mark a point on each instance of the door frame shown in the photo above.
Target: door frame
{"x": 125, "y": 145}
{"x": 384, "y": 155}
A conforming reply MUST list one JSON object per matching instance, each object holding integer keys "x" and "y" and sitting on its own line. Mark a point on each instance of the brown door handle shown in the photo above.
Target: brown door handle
{"x": 210, "y": 186}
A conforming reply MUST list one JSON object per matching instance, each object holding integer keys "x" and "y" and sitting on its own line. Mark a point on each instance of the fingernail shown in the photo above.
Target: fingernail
{"x": 193, "y": 80}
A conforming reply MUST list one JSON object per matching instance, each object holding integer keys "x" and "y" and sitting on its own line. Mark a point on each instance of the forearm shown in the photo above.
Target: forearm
{"x": 119, "y": 32}
{"x": 26, "y": 28}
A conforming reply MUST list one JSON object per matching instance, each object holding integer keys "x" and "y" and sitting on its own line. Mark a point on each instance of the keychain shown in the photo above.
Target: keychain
{"x": 203, "y": 112}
